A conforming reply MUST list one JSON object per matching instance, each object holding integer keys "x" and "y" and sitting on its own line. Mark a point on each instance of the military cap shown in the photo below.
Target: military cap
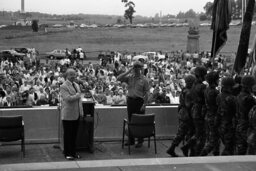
{"x": 248, "y": 81}
{"x": 200, "y": 71}
{"x": 212, "y": 77}
{"x": 227, "y": 82}
{"x": 190, "y": 79}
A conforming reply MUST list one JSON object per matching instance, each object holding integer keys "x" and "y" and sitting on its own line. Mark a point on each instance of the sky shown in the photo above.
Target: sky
{"x": 108, "y": 7}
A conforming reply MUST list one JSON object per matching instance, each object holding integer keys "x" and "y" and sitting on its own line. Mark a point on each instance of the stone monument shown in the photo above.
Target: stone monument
{"x": 193, "y": 39}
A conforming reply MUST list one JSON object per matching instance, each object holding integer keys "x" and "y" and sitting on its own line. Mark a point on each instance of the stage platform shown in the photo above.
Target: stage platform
{"x": 43, "y": 125}
{"x": 109, "y": 156}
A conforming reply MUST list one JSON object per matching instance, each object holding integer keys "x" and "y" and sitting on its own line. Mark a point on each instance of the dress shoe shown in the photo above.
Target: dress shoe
{"x": 126, "y": 144}
{"x": 77, "y": 156}
{"x": 203, "y": 153}
{"x": 70, "y": 158}
{"x": 138, "y": 145}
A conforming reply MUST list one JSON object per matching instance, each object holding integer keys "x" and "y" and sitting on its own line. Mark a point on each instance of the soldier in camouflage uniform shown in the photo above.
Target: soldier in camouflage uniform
{"x": 226, "y": 114}
{"x": 184, "y": 114}
{"x": 211, "y": 94}
{"x": 198, "y": 111}
{"x": 245, "y": 102}
{"x": 251, "y": 139}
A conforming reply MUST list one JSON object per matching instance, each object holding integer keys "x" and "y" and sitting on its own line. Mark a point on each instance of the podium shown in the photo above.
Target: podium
{"x": 85, "y": 135}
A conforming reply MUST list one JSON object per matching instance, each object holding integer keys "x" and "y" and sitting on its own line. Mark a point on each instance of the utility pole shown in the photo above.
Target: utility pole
{"x": 160, "y": 21}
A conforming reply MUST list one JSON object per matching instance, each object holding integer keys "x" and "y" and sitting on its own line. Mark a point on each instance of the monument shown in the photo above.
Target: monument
{"x": 193, "y": 39}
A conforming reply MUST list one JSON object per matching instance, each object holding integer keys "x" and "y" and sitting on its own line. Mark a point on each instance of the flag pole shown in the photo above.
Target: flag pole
{"x": 215, "y": 37}
{"x": 242, "y": 50}
{"x": 242, "y": 11}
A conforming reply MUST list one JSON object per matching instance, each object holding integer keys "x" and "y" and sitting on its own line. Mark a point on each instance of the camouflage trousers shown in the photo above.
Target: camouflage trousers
{"x": 227, "y": 136}
{"x": 185, "y": 129}
{"x": 251, "y": 140}
{"x": 199, "y": 123}
{"x": 241, "y": 139}
{"x": 212, "y": 136}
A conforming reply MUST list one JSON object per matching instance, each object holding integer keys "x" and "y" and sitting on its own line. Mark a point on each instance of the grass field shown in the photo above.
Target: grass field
{"x": 116, "y": 39}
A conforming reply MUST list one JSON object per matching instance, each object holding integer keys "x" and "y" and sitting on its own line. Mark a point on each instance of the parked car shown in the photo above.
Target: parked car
{"x": 21, "y": 50}
{"x": 57, "y": 54}
{"x": 11, "y": 54}
{"x": 153, "y": 55}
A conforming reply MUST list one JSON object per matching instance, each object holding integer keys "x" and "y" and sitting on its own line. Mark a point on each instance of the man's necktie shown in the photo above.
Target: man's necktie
{"x": 74, "y": 86}
{"x": 76, "y": 91}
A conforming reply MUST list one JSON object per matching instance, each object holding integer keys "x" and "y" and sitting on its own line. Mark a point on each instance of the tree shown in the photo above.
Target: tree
{"x": 180, "y": 15}
{"x": 203, "y": 17}
{"x": 34, "y": 25}
{"x": 119, "y": 21}
{"x": 128, "y": 13}
{"x": 190, "y": 14}
{"x": 208, "y": 8}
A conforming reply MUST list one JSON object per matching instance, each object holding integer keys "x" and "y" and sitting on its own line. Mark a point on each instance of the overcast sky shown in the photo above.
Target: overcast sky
{"x": 109, "y": 7}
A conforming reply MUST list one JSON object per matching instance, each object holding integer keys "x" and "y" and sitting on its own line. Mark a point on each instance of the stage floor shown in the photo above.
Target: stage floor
{"x": 109, "y": 156}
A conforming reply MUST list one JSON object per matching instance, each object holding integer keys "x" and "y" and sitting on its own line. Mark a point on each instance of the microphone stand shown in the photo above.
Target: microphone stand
{"x": 57, "y": 146}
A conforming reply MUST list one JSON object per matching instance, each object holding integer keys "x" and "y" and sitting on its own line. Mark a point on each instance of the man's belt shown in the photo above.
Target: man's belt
{"x": 135, "y": 98}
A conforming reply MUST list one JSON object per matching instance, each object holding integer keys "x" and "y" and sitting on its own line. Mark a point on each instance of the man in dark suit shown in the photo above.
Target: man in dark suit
{"x": 71, "y": 110}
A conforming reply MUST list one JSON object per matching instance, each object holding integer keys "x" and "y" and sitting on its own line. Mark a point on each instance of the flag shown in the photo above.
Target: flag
{"x": 221, "y": 17}
{"x": 242, "y": 51}
{"x": 252, "y": 60}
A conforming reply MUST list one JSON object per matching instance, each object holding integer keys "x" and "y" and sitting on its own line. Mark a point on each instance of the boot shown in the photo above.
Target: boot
{"x": 216, "y": 153}
{"x": 204, "y": 152}
{"x": 171, "y": 151}
{"x": 192, "y": 152}
{"x": 184, "y": 150}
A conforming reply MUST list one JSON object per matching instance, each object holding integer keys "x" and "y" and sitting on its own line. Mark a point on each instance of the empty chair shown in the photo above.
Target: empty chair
{"x": 141, "y": 126}
{"x": 12, "y": 129}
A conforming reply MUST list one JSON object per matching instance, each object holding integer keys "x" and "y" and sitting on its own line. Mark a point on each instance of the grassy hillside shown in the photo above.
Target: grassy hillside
{"x": 122, "y": 39}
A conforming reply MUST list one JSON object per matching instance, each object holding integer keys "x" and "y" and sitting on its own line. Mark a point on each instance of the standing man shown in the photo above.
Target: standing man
{"x": 137, "y": 97}
{"x": 245, "y": 102}
{"x": 226, "y": 112}
{"x": 70, "y": 112}
{"x": 198, "y": 109}
{"x": 211, "y": 94}
{"x": 184, "y": 113}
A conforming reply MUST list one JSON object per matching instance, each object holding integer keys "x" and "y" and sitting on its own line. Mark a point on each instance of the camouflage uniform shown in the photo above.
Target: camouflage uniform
{"x": 225, "y": 116}
{"x": 245, "y": 102}
{"x": 184, "y": 114}
{"x": 198, "y": 111}
{"x": 251, "y": 139}
{"x": 211, "y": 109}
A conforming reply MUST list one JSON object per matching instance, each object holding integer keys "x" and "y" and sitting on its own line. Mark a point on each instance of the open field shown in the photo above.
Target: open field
{"x": 116, "y": 39}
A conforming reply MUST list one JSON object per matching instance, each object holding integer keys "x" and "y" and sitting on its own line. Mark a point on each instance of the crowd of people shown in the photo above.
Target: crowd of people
{"x": 213, "y": 106}
{"x": 33, "y": 83}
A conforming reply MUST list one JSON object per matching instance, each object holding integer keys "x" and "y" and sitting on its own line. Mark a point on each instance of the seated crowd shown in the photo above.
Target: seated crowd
{"x": 38, "y": 83}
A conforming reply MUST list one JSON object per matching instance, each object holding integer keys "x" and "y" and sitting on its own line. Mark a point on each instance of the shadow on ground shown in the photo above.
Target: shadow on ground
{"x": 10, "y": 154}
